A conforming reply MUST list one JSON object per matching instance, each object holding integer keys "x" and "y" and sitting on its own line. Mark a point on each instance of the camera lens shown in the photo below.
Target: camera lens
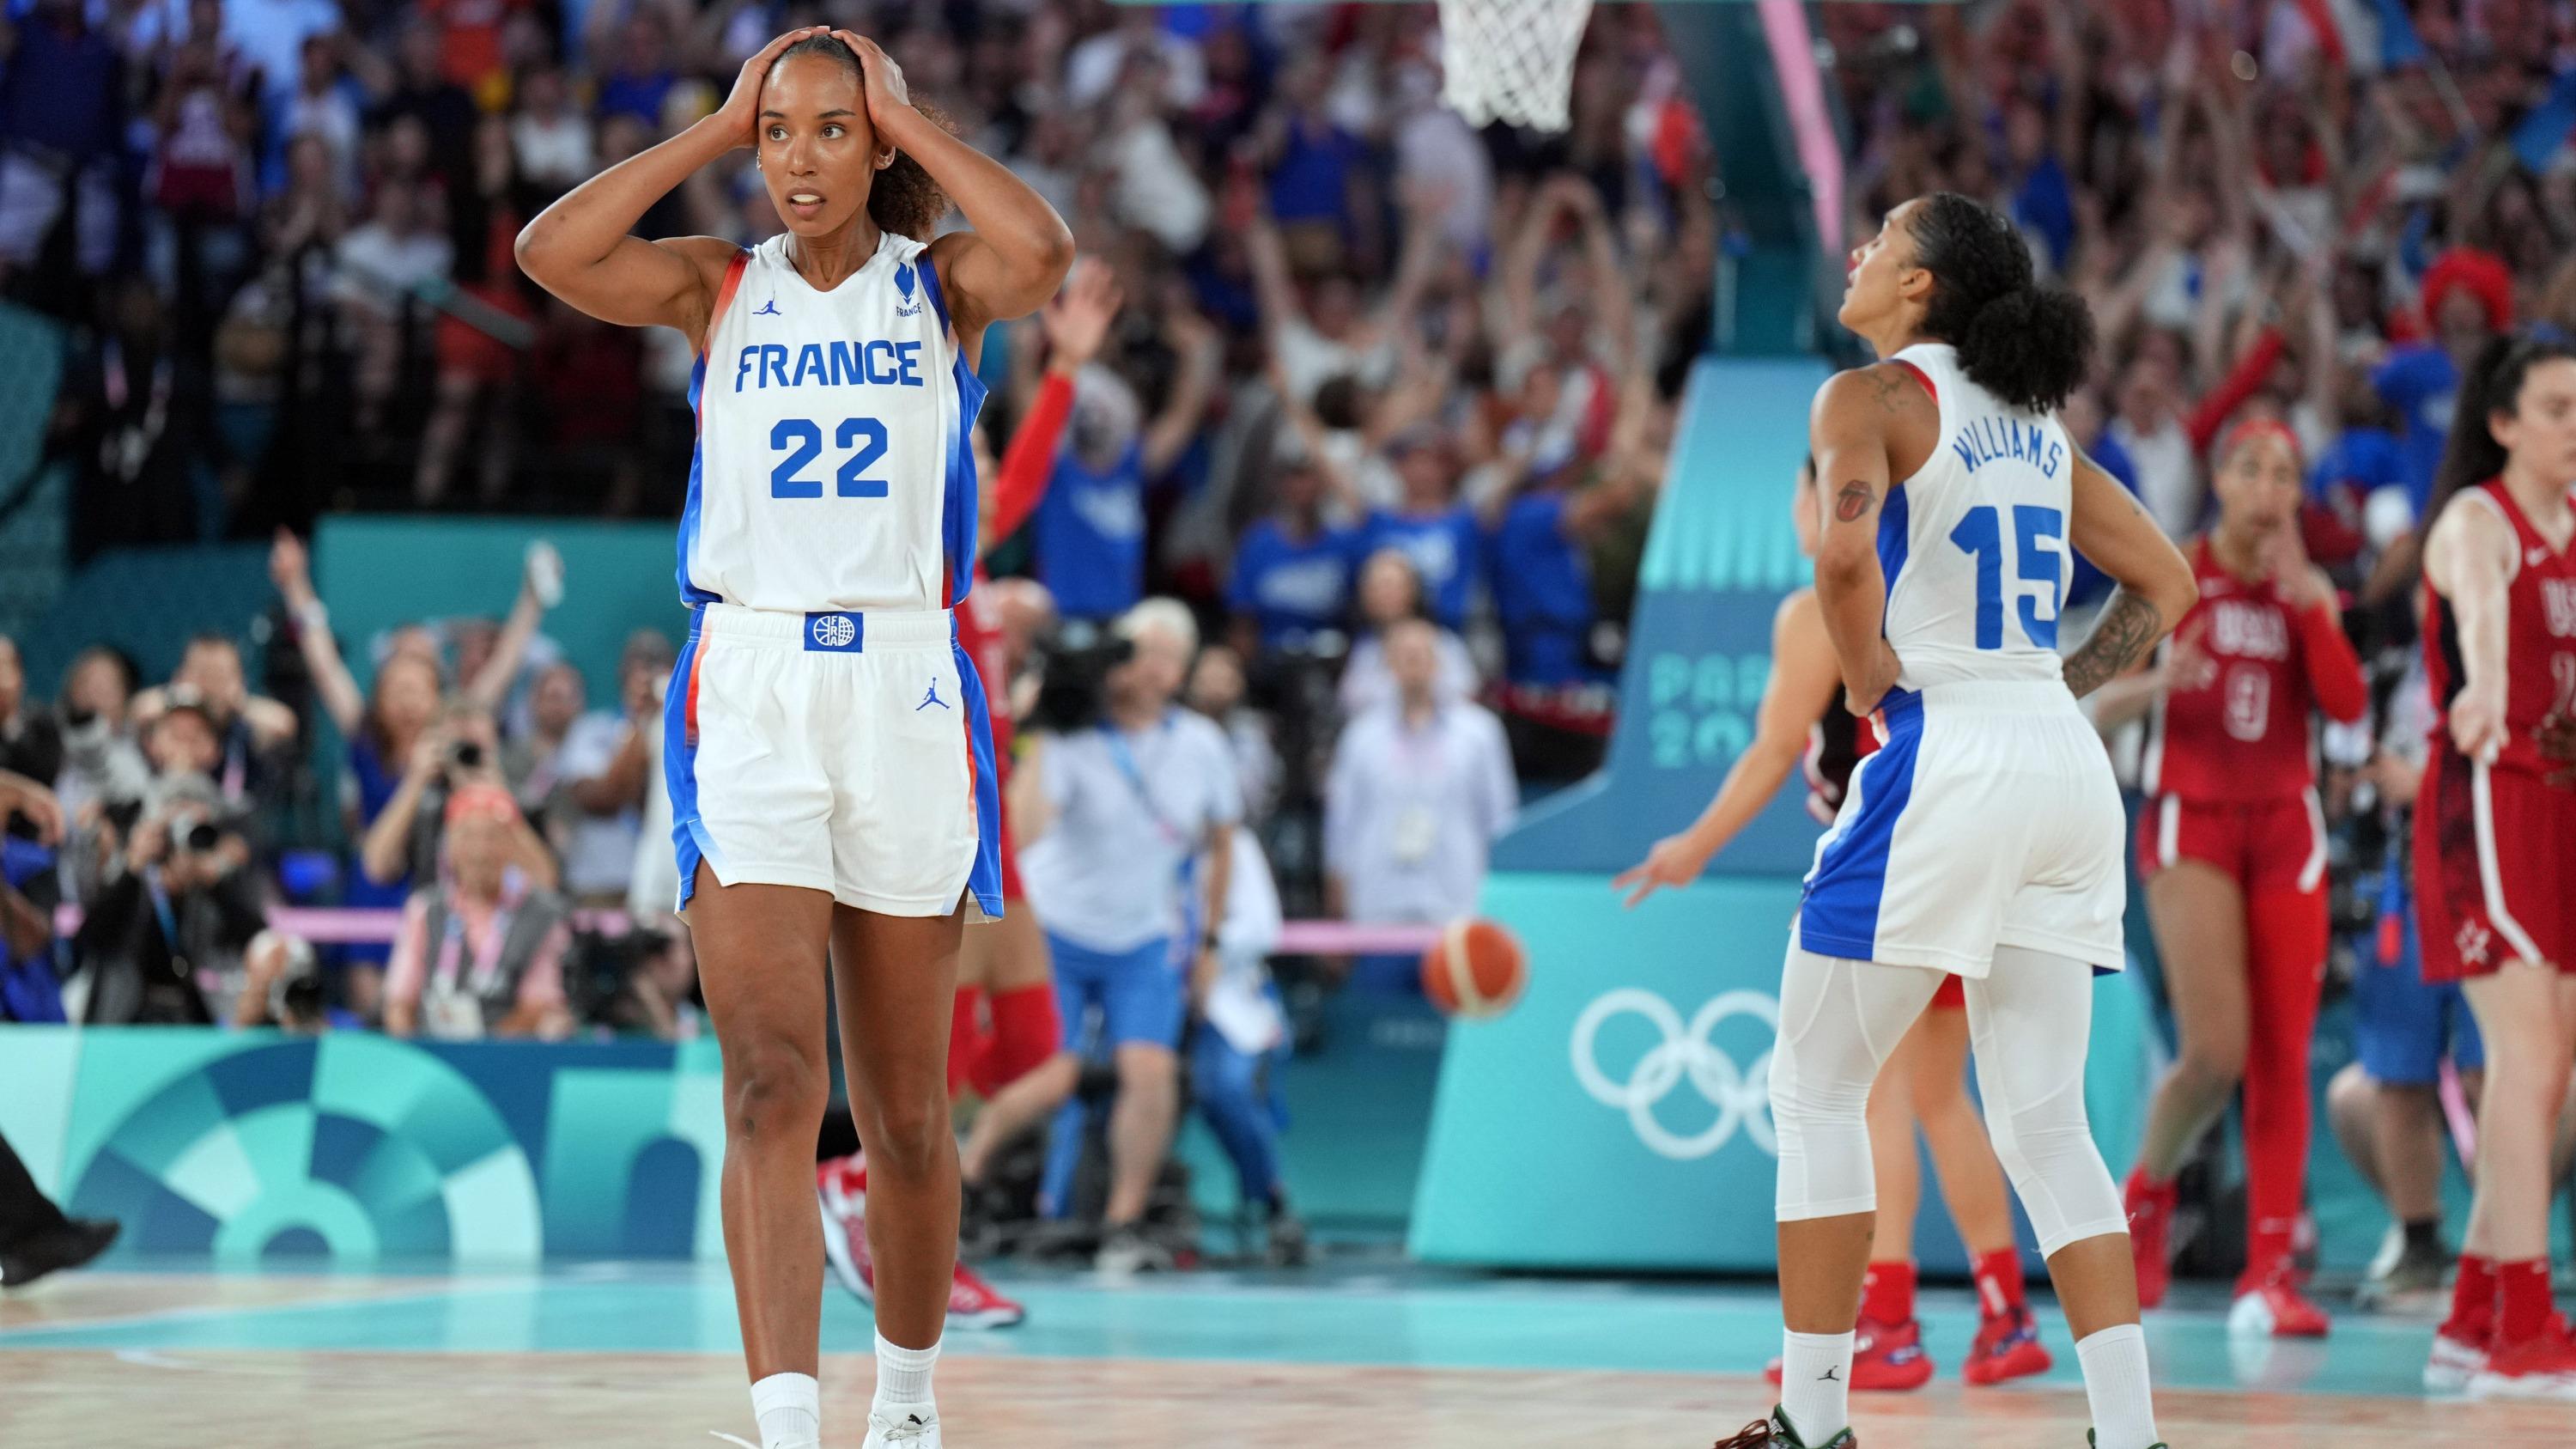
{"x": 468, "y": 755}
{"x": 202, "y": 836}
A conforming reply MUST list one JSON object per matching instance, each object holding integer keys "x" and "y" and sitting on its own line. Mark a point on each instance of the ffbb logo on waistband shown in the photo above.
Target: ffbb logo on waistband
{"x": 832, "y": 633}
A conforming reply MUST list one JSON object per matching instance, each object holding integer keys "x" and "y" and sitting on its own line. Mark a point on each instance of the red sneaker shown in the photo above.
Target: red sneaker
{"x": 2540, "y": 1367}
{"x": 1887, "y": 1358}
{"x": 974, "y": 1303}
{"x": 2271, "y": 1306}
{"x": 845, "y": 1228}
{"x": 2007, "y": 1348}
{"x": 2151, "y": 1210}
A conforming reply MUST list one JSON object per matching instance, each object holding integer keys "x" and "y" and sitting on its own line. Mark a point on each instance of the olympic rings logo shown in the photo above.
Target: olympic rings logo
{"x": 1742, "y": 1097}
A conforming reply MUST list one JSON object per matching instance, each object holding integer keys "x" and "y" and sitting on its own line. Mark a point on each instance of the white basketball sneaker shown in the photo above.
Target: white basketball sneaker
{"x": 903, "y": 1426}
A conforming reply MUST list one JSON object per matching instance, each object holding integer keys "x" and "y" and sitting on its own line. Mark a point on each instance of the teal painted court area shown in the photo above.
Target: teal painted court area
{"x": 1402, "y": 1317}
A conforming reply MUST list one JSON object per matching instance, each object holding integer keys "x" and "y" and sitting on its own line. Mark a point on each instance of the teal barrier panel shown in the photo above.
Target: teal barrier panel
{"x": 241, "y": 1146}
{"x": 1617, "y": 1116}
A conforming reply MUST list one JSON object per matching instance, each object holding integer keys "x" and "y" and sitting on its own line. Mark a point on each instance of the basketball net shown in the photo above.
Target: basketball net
{"x": 1511, "y": 60}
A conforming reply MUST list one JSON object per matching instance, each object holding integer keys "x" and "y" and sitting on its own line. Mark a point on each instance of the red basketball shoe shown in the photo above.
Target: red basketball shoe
{"x": 2271, "y": 1306}
{"x": 974, "y": 1303}
{"x": 841, "y": 1191}
{"x": 2456, "y": 1359}
{"x": 2007, "y": 1348}
{"x": 2542, "y": 1366}
{"x": 1887, "y": 1358}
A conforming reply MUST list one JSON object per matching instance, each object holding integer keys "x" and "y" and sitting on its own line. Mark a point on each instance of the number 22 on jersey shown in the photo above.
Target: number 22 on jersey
{"x": 801, "y": 439}
{"x": 2039, "y": 551}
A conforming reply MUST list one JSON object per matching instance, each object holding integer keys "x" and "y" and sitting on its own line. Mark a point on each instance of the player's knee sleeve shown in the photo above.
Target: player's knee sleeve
{"x": 2032, "y": 1077}
{"x": 1838, "y": 1021}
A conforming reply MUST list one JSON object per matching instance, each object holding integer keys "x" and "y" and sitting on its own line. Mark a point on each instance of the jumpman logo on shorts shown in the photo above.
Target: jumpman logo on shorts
{"x": 930, "y": 699}
{"x": 768, "y": 308}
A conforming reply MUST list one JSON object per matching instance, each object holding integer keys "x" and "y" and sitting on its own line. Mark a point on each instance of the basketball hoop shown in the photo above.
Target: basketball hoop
{"x": 1511, "y": 60}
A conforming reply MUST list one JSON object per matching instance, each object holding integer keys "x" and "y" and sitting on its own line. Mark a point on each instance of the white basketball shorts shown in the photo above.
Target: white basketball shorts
{"x": 1988, "y": 817}
{"x": 841, "y": 752}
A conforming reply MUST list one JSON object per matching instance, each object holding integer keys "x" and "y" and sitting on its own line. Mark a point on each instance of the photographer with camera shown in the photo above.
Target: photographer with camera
{"x": 481, "y": 953}
{"x": 459, "y": 752}
{"x": 163, "y": 936}
{"x": 250, "y": 729}
{"x": 1124, "y": 801}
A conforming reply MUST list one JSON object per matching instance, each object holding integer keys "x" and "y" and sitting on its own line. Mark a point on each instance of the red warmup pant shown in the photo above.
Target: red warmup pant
{"x": 2285, "y": 956}
{"x": 2275, "y": 851}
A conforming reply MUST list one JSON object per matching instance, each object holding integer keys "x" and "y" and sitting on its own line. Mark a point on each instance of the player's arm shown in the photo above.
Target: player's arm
{"x": 1019, "y": 250}
{"x": 2467, "y": 558}
{"x": 1849, "y": 430}
{"x": 1803, "y": 681}
{"x": 2332, "y": 665}
{"x": 581, "y": 249}
{"x": 2155, "y": 584}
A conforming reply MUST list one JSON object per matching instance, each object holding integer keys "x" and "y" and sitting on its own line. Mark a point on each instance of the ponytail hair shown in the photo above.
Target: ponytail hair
{"x": 2027, "y": 344}
{"x": 902, "y": 199}
{"x": 2494, "y": 385}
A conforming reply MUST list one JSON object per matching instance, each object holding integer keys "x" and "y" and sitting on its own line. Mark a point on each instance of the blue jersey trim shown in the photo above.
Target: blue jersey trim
{"x": 985, "y": 880}
{"x": 1895, "y": 540}
{"x": 689, "y": 841}
{"x": 1838, "y": 916}
{"x": 690, "y": 593}
{"x": 958, "y": 520}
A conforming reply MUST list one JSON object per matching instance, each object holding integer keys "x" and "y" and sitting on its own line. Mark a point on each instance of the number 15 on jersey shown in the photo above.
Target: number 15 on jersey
{"x": 2038, "y": 545}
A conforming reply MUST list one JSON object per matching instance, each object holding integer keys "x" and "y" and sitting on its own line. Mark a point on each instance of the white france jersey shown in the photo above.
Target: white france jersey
{"x": 832, "y": 471}
{"x": 1974, "y": 544}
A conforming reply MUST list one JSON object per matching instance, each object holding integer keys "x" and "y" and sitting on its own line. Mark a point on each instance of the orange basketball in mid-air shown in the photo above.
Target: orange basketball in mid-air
{"x": 1475, "y": 969}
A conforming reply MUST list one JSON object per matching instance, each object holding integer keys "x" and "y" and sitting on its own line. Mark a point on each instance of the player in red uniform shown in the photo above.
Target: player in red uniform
{"x": 2233, "y": 849}
{"x": 1924, "y": 1082}
{"x": 1005, "y": 1038}
{"x": 2495, "y": 835}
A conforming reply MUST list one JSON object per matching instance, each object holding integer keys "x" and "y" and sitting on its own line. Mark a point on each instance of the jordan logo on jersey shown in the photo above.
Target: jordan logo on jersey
{"x": 2558, "y": 599}
{"x": 930, "y": 699}
{"x": 2249, "y": 631}
{"x": 767, "y": 309}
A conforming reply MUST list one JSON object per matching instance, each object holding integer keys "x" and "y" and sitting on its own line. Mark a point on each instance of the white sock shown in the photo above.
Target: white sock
{"x": 789, "y": 1410}
{"x": 2115, "y": 1380}
{"x": 1815, "y": 1385}
{"x": 903, "y": 1374}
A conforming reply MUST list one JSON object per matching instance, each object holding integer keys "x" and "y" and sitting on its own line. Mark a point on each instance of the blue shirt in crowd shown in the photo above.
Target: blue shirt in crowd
{"x": 2420, "y": 382}
{"x": 1292, "y": 587}
{"x": 1443, "y": 547}
{"x": 1542, "y": 587}
{"x": 1091, "y": 535}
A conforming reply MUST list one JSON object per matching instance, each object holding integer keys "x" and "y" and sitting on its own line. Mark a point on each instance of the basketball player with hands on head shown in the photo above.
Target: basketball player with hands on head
{"x": 830, "y": 765}
{"x": 2233, "y": 850}
{"x": 1982, "y": 838}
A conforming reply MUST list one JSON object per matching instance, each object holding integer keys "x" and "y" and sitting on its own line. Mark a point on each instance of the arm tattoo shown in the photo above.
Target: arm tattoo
{"x": 1854, "y": 502}
{"x": 2129, "y": 627}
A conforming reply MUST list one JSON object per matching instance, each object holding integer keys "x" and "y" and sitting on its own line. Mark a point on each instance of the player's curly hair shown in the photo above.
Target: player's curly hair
{"x": 2027, "y": 344}
{"x": 903, "y": 199}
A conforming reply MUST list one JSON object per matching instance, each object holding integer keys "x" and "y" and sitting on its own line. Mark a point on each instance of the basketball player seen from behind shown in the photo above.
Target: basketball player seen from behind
{"x": 830, "y": 766}
{"x": 1955, "y": 496}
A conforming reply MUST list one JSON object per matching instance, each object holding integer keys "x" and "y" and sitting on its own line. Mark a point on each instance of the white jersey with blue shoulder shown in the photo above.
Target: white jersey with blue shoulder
{"x": 1988, "y": 816}
{"x": 832, "y": 470}
{"x": 1974, "y": 544}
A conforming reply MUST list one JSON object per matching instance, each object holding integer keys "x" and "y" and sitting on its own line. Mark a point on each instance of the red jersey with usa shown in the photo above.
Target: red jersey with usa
{"x": 2540, "y": 638}
{"x": 2242, "y": 728}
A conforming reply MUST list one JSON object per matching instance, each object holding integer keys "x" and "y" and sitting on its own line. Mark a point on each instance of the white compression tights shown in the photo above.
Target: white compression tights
{"x": 2029, "y": 1022}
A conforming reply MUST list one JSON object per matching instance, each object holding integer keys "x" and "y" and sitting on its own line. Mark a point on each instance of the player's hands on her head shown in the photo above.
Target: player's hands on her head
{"x": 740, "y": 113}
{"x": 1675, "y": 861}
{"x": 1077, "y": 320}
{"x": 886, "y": 91}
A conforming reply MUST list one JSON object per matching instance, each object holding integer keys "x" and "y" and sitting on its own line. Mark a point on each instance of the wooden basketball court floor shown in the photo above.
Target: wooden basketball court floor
{"x": 646, "y": 1355}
